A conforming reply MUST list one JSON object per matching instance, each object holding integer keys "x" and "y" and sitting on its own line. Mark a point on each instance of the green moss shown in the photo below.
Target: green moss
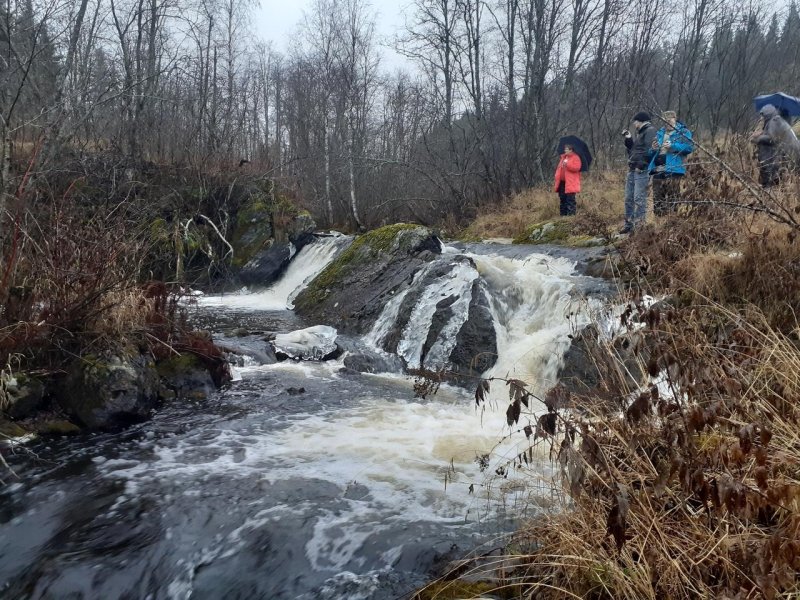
{"x": 583, "y": 241}
{"x": 11, "y": 430}
{"x": 283, "y": 205}
{"x": 549, "y": 232}
{"x": 468, "y": 236}
{"x": 159, "y": 231}
{"x": 557, "y": 232}
{"x": 58, "y": 427}
{"x": 253, "y": 230}
{"x": 178, "y": 365}
{"x": 455, "y": 589}
{"x": 93, "y": 365}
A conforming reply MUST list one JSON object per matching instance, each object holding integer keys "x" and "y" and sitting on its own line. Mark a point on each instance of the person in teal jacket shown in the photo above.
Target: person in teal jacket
{"x": 668, "y": 163}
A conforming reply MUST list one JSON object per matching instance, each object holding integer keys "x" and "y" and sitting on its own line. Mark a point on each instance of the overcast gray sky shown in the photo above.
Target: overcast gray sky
{"x": 277, "y": 20}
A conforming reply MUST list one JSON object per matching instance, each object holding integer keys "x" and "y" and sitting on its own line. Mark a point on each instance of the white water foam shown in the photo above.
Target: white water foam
{"x": 534, "y": 315}
{"x": 399, "y": 451}
{"x": 458, "y": 282}
{"x": 391, "y": 310}
{"x": 304, "y": 267}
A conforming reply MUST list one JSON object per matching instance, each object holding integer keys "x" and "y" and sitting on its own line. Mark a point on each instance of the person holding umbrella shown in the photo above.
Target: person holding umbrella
{"x": 574, "y": 158}
{"x": 777, "y": 145}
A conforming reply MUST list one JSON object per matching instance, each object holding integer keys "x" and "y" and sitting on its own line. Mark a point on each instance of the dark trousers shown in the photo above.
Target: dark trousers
{"x": 567, "y": 206}
{"x": 666, "y": 194}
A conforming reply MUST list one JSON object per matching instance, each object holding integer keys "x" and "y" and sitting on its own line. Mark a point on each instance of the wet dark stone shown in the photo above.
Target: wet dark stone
{"x": 268, "y": 265}
{"x": 476, "y": 343}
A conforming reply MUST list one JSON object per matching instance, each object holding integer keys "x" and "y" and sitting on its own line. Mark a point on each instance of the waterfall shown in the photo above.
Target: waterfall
{"x": 304, "y": 266}
{"x": 532, "y": 309}
{"x": 386, "y": 320}
{"x": 456, "y": 284}
{"x": 534, "y": 314}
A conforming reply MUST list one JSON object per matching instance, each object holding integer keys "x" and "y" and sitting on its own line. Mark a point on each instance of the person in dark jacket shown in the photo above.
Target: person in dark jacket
{"x": 778, "y": 147}
{"x": 672, "y": 144}
{"x": 568, "y": 180}
{"x": 639, "y": 147}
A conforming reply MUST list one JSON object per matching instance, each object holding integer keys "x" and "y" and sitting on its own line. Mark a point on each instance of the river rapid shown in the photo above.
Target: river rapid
{"x": 301, "y": 480}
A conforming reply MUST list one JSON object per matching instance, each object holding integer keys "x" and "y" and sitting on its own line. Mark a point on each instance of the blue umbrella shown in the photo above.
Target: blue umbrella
{"x": 786, "y": 104}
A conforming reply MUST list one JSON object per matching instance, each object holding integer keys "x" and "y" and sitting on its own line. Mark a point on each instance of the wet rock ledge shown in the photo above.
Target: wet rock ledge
{"x": 352, "y": 291}
{"x": 106, "y": 391}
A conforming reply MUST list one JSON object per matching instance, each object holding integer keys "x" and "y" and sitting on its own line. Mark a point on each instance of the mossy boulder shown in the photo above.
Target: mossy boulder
{"x": 185, "y": 377}
{"x": 269, "y": 229}
{"x": 353, "y": 289}
{"x": 549, "y": 232}
{"x": 24, "y": 394}
{"x": 253, "y": 232}
{"x": 557, "y": 232}
{"x": 268, "y": 263}
{"x": 107, "y": 392}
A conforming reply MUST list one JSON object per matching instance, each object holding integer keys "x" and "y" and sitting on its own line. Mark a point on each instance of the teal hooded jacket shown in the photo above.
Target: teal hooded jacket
{"x": 672, "y": 163}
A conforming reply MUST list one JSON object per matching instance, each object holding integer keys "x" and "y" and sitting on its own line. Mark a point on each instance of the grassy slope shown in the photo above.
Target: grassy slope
{"x": 602, "y": 199}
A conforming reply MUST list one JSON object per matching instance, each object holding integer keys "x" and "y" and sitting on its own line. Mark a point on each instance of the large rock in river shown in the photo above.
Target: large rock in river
{"x": 444, "y": 321}
{"x": 24, "y": 395}
{"x": 109, "y": 392}
{"x": 352, "y": 291}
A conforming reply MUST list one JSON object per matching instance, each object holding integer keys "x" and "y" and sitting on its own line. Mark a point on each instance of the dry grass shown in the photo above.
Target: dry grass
{"x": 126, "y": 311}
{"x": 602, "y": 196}
{"x": 701, "y": 489}
{"x": 685, "y": 489}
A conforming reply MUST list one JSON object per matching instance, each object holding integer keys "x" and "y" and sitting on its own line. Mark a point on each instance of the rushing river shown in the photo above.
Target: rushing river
{"x": 297, "y": 480}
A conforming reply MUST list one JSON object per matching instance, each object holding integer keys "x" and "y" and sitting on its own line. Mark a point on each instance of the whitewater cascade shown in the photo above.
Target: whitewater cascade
{"x": 457, "y": 284}
{"x": 534, "y": 313}
{"x": 532, "y": 306}
{"x": 304, "y": 266}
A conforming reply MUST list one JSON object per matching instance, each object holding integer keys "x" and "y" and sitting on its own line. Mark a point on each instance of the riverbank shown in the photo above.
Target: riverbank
{"x": 677, "y": 437}
{"x": 93, "y": 330}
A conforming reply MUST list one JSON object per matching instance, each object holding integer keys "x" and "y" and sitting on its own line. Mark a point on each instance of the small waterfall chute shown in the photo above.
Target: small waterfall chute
{"x": 304, "y": 266}
{"x": 391, "y": 311}
{"x": 531, "y": 303}
{"x": 453, "y": 292}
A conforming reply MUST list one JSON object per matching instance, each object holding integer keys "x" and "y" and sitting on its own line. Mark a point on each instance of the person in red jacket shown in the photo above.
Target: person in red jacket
{"x": 568, "y": 180}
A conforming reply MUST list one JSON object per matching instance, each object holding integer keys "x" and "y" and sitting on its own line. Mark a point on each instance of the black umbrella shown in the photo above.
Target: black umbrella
{"x": 580, "y": 148}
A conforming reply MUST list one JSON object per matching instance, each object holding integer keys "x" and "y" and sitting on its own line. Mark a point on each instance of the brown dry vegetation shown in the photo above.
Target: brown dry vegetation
{"x": 79, "y": 254}
{"x": 602, "y": 198}
{"x": 687, "y": 483}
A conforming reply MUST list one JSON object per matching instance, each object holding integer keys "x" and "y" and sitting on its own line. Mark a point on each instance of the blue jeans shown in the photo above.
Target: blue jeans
{"x": 636, "y": 197}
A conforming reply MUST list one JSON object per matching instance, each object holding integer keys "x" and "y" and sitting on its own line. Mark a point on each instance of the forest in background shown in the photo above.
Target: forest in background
{"x": 188, "y": 84}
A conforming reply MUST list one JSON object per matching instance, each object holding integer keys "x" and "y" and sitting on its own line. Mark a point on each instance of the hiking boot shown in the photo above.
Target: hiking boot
{"x": 625, "y": 230}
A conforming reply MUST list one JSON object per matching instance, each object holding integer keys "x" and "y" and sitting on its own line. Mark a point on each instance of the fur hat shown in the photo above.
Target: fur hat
{"x": 642, "y": 117}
